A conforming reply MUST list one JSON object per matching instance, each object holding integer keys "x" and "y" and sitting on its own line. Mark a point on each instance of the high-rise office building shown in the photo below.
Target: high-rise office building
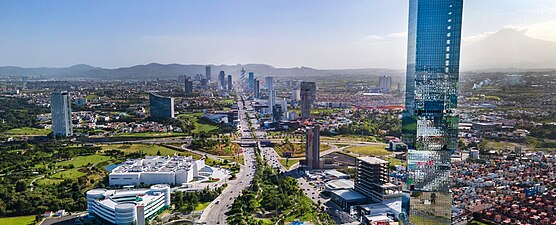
{"x": 242, "y": 76}
{"x": 296, "y": 94}
{"x": 222, "y": 80}
{"x": 251, "y": 80}
{"x": 271, "y": 93}
{"x": 60, "y": 107}
{"x": 308, "y": 94}
{"x": 277, "y": 113}
{"x": 230, "y": 83}
{"x": 256, "y": 88}
{"x": 385, "y": 84}
{"x": 284, "y": 105}
{"x": 161, "y": 107}
{"x": 182, "y": 78}
{"x": 188, "y": 85}
{"x": 429, "y": 124}
{"x": 204, "y": 83}
{"x": 208, "y": 74}
{"x": 312, "y": 147}
{"x": 373, "y": 179}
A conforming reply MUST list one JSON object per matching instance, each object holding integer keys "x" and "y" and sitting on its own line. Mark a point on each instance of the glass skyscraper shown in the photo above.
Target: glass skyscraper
{"x": 429, "y": 121}
{"x": 60, "y": 107}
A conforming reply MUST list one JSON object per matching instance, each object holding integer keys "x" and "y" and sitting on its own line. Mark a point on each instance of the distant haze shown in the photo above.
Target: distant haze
{"x": 509, "y": 48}
{"x": 322, "y": 34}
{"x": 171, "y": 71}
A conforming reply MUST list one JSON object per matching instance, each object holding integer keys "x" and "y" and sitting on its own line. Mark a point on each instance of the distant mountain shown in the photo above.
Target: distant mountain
{"x": 155, "y": 70}
{"x": 44, "y": 71}
{"x": 509, "y": 48}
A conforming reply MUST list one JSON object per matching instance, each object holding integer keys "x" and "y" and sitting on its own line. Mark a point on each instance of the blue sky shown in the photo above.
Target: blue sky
{"x": 283, "y": 33}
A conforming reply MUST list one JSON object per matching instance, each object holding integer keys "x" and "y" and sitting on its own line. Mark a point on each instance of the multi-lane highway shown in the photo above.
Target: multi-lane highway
{"x": 215, "y": 213}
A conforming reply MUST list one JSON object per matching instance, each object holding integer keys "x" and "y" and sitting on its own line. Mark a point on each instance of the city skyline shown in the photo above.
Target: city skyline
{"x": 336, "y": 35}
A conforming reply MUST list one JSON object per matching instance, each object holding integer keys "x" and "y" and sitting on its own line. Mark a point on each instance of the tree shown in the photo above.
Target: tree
{"x": 20, "y": 186}
{"x": 158, "y": 153}
{"x": 433, "y": 198}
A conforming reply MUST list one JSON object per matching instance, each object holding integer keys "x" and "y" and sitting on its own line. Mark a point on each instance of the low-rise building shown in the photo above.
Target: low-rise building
{"x": 128, "y": 206}
{"x": 175, "y": 170}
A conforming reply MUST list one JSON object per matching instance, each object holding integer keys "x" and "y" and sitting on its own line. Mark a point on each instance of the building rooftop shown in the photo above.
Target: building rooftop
{"x": 349, "y": 195}
{"x": 340, "y": 184}
{"x": 372, "y": 160}
{"x": 128, "y": 198}
{"x": 157, "y": 164}
{"x": 335, "y": 173}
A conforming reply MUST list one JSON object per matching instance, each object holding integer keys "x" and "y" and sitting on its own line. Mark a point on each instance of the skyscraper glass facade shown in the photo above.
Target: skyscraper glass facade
{"x": 60, "y": 106}
{"x": 251, "y": 80}
{"x": 429, "y": 121}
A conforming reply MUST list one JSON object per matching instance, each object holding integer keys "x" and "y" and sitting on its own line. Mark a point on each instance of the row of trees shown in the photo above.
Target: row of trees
{"x": 274, "y": 196}
{"x": 373, "y": 123}
{"x": 18, "y": 162}
{"x": 186, "y": 201}
{"x": 16, "y": 112}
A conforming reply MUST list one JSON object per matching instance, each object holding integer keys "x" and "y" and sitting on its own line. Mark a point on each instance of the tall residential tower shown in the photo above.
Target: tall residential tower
{"x": 312, "y": 147}
{"x": 208, "y": 74}
{"x": 271, "y": 93}
{"x": 308, "y": 94}
{"x": 222, "y": 80}
{"x": 429, "y": 124}
{"x": 60, "y": 107}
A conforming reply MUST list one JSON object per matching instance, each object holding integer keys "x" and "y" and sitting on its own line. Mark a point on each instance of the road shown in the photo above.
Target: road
{"x": 215, "y": 213}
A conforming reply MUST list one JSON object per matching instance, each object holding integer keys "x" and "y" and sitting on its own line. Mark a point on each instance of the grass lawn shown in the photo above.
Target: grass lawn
{"x": 227, "y": 102}
{"x": 348, "y": 137}
{"x": 416, "y": 218}
{"x": 341, "y": 145}
{"x": 264, "y": 221}
{"x": 80, "y": 161}
{"x": 28, "y": 131}
{"x": 393, "y": 161}
{"x": 201, "y": 206}
{"x": 91, "y": 97}
{"x": 298, "y": 149}
{"x": 222, "y": 150}
{"x": 152, "y": 134}
{"x": 212, "y": 162}
{"x": 48, "y": 181}
{"x": 194, "y": 117}
{"x": 20, "y": 220}
{"x": 290, "y": 162}
{"x": 71, "y": 173}
{"x": 237, "y": 159}
{"x": 369, "y": 150}
{"x": 149, "y": 149}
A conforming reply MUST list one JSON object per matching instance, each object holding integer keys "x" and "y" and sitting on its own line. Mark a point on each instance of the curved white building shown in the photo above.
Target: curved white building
{"x": 123, "y": 207}
{"x": 175, "y": 170}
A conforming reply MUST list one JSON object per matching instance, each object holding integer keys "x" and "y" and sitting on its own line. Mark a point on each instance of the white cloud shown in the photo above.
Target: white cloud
{"x": 374, "y": 37}
{"x": 398, "y": 35}
{"x": 544, "y": 31}
{"x": 475, "y": 38}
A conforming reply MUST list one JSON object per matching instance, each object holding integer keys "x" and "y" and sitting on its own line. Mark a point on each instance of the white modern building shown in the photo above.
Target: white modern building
{"x": 284, "y": 105}
{"x": 175, "y": 170}
{"x": 385, "y": 84}
{"x": 271, "y": 94}
{"x": 124, "y": 207}
{"x": 60, "y": 106}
